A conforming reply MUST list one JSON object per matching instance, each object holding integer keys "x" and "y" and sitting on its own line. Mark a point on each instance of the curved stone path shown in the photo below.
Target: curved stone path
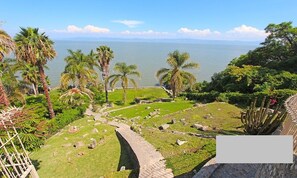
{"x": 151, "y": 162}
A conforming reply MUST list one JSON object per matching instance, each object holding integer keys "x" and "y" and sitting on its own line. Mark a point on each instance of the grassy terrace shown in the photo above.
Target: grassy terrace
{"x": 58, "y": 157}
{"x": 58, "y": 154}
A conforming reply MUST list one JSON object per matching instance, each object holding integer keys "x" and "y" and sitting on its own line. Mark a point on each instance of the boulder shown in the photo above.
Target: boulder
{"x": 172, "y": 121}
{"x": 73, "y": 129}
{"x": 93, "y": 144}
{"x": 78, "y": 144}
{"x": 164, "y": 127}
{"x": 95, "y": 130}
{"x": 197, "y": 126}
{"x": 208, "y": 116}
{"x": 148, "y": 107}
{"x": 180, "y": 142}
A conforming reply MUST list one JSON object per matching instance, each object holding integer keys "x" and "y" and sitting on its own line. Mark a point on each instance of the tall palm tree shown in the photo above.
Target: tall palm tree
{"x": 124, "y": 72}
{"x": 36, "y": 49}
{"x": 78, "y": 70}
{"x": 175, "y": 75}
{"x": 105, "y": 55}
{"x": 6, "y": 46}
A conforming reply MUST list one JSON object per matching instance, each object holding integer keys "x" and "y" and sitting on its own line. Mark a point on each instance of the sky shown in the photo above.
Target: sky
{"x": 242, "y": 20}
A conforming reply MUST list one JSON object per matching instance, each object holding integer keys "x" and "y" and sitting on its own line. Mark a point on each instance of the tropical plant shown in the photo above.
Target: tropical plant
{"x": 74, "y": 97}
{"x": 14, "y": 88}
{"x": 105, "y": 55}
{"x": 79, "y": 70}
{"x": 6, "y": 46}
{"x": 36, "y": 49}
{"x": 176, "y": 77}
{"x": 263, "y": 120}
{"x": 124, "y": 71}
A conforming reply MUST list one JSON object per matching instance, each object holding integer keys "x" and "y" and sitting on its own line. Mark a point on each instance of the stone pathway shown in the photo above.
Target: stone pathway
{"x": 151, "y": 162}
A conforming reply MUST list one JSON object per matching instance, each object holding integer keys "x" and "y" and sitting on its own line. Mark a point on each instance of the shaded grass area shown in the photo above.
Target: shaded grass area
{"x": 225, "y": 119}
{"x": 58, "y": 157}
{"x": 147, "y": 93}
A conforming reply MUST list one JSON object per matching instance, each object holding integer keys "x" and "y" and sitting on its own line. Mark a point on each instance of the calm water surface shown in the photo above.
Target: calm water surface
{"x": 151, "y": 56}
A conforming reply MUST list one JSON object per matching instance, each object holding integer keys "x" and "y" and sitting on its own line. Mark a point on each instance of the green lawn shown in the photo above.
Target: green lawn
{"x": 58, "y": 158}
{"x": 150, "y": 93}
{"x": 183, "y": 159}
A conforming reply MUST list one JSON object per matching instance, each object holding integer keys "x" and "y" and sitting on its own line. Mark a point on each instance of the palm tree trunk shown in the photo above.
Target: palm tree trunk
{"x": 34, "y": 89}
{"x": 124, "y": 93}
{"x": 45, "y": 88}
{"x": 3, "y": 95}
{"x": 105, "y": 74}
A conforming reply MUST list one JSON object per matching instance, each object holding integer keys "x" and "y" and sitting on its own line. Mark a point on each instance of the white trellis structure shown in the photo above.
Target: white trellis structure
{"x": 14, "y": 160}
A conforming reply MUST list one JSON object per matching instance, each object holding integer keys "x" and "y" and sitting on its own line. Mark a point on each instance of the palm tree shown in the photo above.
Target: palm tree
{"x": 78, "y": 70}
{"x": 6, "y": 46}
{"x": 30, "y": 76}
{"x": 176, "y": 76}
{"x": 36, "y": 49}
{"x": 105, "y": 55}
{"x": 124, "y": 72}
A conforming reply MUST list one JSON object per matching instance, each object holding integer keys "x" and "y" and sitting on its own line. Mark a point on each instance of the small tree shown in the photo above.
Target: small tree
{"x": 176, "y": 76}
{"x": 124, "y": 72}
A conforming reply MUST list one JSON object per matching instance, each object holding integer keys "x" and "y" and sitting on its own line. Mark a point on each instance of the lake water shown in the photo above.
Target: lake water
{"x": 150, "y": 56}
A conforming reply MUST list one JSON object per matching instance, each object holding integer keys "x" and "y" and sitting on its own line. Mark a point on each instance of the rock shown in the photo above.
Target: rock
{"x": 197, "y": 126}
{"x": 89, "y": 120}
{"x": 93, "y": 144}
{"x": 148, "y": 107}
{"x": 66, "y": 145}
{"x": 85, "y": 135}
{"x": 157, "y": 110}
{"x": 123, "y": 168}
{"x": 205, "y": 128}
{"x": 180, "y": 142}
{"x": 104, "y": 130}
{"x": 183, "y": 121}
{"x": 172, "y": 121}
{"x": 97, "y": 123}
{"x": 97, "y": 117}
{"x": 147, "y": 117}
{"x": 95, "y": 130}
{"x": 164, "y": 127}
{"x": 80, "y": 153}
{"x": 208, "y": 116}
{"x": 78, "y": 144}
{"x": 73, "y": 129}
{"x": 65, "y": 138}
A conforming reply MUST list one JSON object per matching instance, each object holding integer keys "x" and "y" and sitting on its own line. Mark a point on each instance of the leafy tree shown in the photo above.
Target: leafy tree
{"x": 6, "y": 46}
{"x": 278, "y": 51}
{"x": 105, "y": 55}
{"x": 124, "y": 71}
{"x": 79, "y": 70}
{"x": 176, "y": 75}
{"x": 36, "y": 49}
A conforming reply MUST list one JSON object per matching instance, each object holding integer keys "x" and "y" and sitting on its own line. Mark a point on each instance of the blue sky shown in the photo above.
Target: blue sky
{"x": 154, "y": 19}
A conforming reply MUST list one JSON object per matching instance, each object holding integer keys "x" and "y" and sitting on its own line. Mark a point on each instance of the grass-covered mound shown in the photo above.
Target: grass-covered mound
{"x": 59, "y": 158}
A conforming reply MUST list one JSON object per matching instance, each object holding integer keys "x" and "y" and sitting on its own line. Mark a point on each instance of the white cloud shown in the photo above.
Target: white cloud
{"x": 246, "y": 32}
{"x": 197, "y": 32}
{"x": 129, "y": 23}
{"x": 86, "y": 29}
{"x": 148, "y": 32}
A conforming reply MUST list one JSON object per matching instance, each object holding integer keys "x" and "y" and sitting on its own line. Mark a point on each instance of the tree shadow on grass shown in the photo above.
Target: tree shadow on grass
{"x": 191, "y": 173}
{"x": 127, "y": 158}
{"x": 36, "y": 163}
